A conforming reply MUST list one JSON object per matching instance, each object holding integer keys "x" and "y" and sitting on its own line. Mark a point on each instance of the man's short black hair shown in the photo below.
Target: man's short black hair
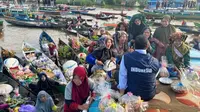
{"x": 141, "y": 42}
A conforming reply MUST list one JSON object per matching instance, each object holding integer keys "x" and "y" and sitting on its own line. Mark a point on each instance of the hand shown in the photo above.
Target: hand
{"x": 99, "y": 62}
{"x": 85, "y": 106}
{"x": 91, "y": 99}
{"x": 113, "y": 59}
{"x": 121, "y": 91}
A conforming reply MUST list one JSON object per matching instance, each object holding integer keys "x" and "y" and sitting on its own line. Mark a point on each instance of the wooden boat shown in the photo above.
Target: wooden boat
{"x": 88, "y": 8}
{"x": 80, "y": 49}
{"x": 44, "y": 40}
{"x": 23, "y": 18}
{"x": 18, "y": 11}
{"x": 75, "y": 32}
{"x": 110, "y": 24}
{"x": 43, "y": 64}
{"x": 190, "y": 30}
{"x": 88, "y": 14}
{"x": 27, "y": 24}
{"x": 106, "y": 17}
{"x": 113, "y": 13}
{"x": 79, "y": 11}
{"x": 99, "y": 16}
{"x": 87, "y": 25}
{"x": 197, "y": 24}
{"x": 177, "y": 16}
{"x": 3, "y": 11}
{"x": 65, "y": 52}
{"x": 22, "y": 75}
{"x": 152, "y": 23}
{"x": 52, "y": 11}
{"x": 32, "y": 23}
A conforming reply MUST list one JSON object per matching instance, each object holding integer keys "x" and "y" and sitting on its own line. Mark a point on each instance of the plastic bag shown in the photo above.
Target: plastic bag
{"x": 109, "y": 65}
{"x": 105, "y": 102}
{"x": 114, "y": 107}
{"x": 27, "y": 108}
{"x": 133, "y": 103}
{"x": 191, "y": 82}
{"x": 163, "y": 70}
{"x": 103, "y": 88}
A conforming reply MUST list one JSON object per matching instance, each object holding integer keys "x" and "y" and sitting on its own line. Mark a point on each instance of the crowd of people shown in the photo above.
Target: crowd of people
{"x": 137, "y": 55}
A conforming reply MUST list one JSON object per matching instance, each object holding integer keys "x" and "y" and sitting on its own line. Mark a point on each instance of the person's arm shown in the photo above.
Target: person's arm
{"x": 168, "y": 54}
{"x": 68, "y": 98}
{"x": 156, "y": 34}
{"x": 122, "y": 77}
{"x": 91, "y": 84}
{"x": 91, "y": 59}
{"x": 53, "y": 82}
{"x": 173, "y": 29}
{"x": 114, "y": 54}
{"x": 187, "y": 59}
{"x": 153, "y": 48}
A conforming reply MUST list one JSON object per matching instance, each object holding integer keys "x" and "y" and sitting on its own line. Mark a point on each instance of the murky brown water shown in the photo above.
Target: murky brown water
{"x": 13, "y": 36}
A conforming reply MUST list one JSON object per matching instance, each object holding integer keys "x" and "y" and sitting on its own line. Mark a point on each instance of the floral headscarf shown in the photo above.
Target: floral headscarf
{"x": 178, "y": 35}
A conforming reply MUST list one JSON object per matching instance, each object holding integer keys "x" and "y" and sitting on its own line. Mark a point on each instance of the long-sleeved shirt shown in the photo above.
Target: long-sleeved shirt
{"x": 123, "y": 72}
{"x": 73, "y": 106}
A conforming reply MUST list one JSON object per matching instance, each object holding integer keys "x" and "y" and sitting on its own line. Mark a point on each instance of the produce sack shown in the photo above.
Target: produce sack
{"x": 27, "y": 108}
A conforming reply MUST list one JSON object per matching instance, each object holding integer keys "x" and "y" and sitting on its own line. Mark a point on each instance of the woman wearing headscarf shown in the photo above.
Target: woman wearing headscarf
{"x": 122, "y": 26}
{"x": 77, "y": 91}
{"x": 101, "y": 55}
{"x": 147, "y": 33}
{"x": 53, "y": 53}
{"x": 45, "y": 103}
{"x": 136, "y": 25}
{"x": 177, "y": 52}
{"x": 120, "y": 43}
{"x": 162, "y": 34}
{"x": 45, "y": 84}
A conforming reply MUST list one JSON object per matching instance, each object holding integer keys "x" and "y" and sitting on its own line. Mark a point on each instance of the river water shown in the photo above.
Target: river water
{"x": 12, "y": 36}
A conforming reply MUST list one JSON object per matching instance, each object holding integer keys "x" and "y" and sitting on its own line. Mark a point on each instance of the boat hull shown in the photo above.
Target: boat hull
{"x": 153, "y": 15}
{"x": 190, "y": 30}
